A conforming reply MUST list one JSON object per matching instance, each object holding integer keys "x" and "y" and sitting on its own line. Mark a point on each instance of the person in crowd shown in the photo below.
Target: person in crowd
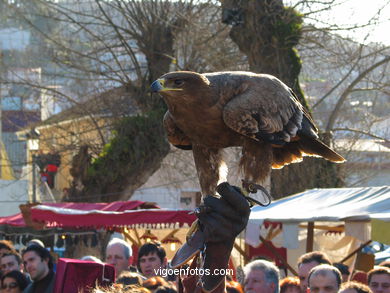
{"x": 14, "y": 282}
{"x": 344, "y": 270}
{"x": 221, "y": 219}
{"x": 39, "y": 264}
{"x": 119, "y": 254}
{"x": 289, "y": 285}
{"x": 36, "y": 242}
{"x": 91, "y": 258}
{"x": 261, "y": 276}
{"x": 151, "y": 257}
{"x": 324, "y": 278}
{"x": 159, "y": 284}
{"x": 354, "y": 287}
{"x": 6, "y": 246}
{"x": 308, "y": 261}
{"x": 11, "y": 261}
{"x": 379, "y": 280}
{"x": 129, "y": 278}
{"x": 233, "y": 287}
{"x": 359, "y": 276}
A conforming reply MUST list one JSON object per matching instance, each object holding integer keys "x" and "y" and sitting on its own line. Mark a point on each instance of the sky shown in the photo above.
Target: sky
{"x": 350, "y": 12}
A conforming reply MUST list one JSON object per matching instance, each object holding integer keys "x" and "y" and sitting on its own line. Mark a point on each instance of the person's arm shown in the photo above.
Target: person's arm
{"x": 220, "y": 221}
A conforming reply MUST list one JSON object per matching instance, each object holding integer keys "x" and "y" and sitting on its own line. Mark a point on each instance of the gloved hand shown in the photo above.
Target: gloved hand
{"x": 221, "y": 220}
{"x": 225, "y": 217}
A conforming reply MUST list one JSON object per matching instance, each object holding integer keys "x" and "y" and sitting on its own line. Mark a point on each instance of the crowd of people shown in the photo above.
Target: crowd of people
{"x": 220, "y": 221}
{"x": 32, "y": 271}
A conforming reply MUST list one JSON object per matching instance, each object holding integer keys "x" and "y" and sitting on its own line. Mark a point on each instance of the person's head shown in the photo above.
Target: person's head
{"x": 91, "y": 258}
{"x": 379, "y": 280}
{"x": 324, "y": 279}
{"x": 289, "y": 285}
{"x": 129, "y": 278}
{"x": 14, "y": 282}
{"x": 233, "y": 287}
{"x": 11, "y": 261}
{"x": 6, "y": 246}
{"x": 261, "y": 276}
{"x": 354, "y": 287}
{"x": 37, "y": 262}
{"x": 308, "y": 261}
{"x": 359, "y": 276}
{"x": 119, "y": 254}
{"x": 154, "y": 282}
{"x": 36, "y": 242}
{"x": 151, "y": 257}
{"x": 344, "y": 270}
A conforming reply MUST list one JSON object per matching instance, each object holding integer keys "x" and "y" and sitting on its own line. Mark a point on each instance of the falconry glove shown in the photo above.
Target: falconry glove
{"x": 220, "y": 221}
{"x": 227, "y": 216}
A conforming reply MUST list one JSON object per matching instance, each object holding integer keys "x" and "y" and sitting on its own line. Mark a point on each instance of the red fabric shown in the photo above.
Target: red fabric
{"x": 14, "y": 220}
{"x": 117, "y": 206}
{"x": 73, "y": 275}
{"x": 360, "y": 277}
{"x": 97, "y": 219}
{"x": 263, "y": 251}
{"x": 51, "y": 168}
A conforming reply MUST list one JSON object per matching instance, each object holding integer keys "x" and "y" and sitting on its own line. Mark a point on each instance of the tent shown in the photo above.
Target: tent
{"x": 13, "y": 220}
{"x": 18, "y": 220}
{"x": 132, "y": 214}
{"x": 152, "y": 218}
{"x": 47, "y": 219}
{"x": 136, "y": 220}
{"x": 363, "y": 212}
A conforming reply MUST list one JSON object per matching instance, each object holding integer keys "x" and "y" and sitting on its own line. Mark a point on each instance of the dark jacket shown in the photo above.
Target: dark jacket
{"x": 46, "y": 285}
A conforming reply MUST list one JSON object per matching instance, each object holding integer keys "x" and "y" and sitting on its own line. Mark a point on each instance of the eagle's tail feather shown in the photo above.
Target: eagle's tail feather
{"x": 293, "y": 152}
{"x": 314, "y": 147}
{"x": 285, "y": 155}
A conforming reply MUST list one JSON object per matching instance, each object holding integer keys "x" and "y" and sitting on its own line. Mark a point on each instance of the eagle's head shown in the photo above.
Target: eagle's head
{"x": 184, "y": 85}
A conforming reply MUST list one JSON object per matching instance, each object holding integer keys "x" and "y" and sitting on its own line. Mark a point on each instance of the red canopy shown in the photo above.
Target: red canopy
{"x": 117, "y": 206}
{"x": 83, "y": 215}
{"x": 14, "y": 220}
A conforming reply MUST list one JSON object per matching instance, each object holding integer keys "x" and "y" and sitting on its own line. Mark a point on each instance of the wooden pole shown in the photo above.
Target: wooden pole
{"x": 355, "y": 251}
{"x": 277, "y": 254}
{"x": 241, "y": 251}
{"x": 310, "y": 237}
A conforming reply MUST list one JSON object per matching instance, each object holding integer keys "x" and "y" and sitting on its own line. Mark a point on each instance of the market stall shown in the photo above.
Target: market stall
{"x": 336, "y": 220}
{"x": 139, "y": 222}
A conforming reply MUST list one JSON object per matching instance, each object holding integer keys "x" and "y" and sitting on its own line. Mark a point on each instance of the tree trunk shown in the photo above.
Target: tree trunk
{"x": 267, "y": 32}
{"x": 139, "y": 145}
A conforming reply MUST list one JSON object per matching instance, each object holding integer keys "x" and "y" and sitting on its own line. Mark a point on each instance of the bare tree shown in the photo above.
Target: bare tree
{"x": 99, "y": 45}
{"x": 268, "y": 33}
{"x": 106, "y": 53}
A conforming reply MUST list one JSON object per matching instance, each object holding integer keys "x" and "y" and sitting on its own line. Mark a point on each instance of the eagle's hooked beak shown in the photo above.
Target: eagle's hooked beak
{"x": 158, "y": 86}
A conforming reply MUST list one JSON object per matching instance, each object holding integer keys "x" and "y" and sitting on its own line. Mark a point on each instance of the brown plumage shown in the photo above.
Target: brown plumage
{"x": 211, "y": 111}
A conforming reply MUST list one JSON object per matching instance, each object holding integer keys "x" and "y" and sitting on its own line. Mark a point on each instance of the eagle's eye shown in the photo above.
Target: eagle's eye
{"x": 178, "y": 81}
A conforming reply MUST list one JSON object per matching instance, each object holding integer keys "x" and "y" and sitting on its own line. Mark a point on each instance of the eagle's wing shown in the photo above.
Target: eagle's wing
{"x": 266, "y": 110}
{"x": 269, "y": 111}
{"x": 175, "y": 136}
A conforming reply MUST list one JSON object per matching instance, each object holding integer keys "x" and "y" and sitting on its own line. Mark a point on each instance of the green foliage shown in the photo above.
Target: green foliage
{"x": 135, "y": 142}
{"x": 288, "y": 28}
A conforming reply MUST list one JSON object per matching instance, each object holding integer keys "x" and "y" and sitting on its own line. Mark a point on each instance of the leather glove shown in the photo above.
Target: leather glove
{"x": 222, "y": 220}
{"x": 225, "y": 217}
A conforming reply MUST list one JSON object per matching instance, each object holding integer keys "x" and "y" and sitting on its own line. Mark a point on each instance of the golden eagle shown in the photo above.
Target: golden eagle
{"x": 211, "y": 111}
